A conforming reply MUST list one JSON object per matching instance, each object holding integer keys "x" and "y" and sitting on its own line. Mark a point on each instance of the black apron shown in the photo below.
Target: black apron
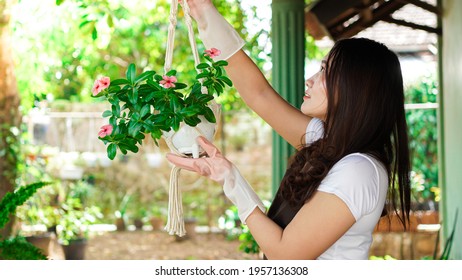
{"x": 281, "y": 212}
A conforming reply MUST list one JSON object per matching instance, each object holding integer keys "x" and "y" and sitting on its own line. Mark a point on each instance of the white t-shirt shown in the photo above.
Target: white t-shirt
{"x": 361, "y": 182}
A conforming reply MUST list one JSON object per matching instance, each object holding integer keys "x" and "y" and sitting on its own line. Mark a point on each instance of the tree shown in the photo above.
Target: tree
{"x": 10, "y": 117}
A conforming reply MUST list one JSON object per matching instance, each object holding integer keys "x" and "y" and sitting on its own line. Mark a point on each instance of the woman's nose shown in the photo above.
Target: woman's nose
{"x": 309, "y": 82}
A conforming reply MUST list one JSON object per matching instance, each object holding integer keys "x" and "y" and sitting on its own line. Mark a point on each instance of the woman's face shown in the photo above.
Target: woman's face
{"x": 315, "y": 99}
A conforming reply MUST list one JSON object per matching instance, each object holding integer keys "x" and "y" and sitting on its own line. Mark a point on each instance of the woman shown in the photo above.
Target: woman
{"x": 351, "y": 137}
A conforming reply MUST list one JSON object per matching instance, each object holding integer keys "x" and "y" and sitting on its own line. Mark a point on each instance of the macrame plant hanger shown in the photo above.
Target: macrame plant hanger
{"x": 175, "y": 219}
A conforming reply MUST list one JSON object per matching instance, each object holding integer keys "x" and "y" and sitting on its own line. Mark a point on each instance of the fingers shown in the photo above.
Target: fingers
{"x": 185, "y": 163}
{"x": 196, "y": 165}
{"x": 208, "y": 147}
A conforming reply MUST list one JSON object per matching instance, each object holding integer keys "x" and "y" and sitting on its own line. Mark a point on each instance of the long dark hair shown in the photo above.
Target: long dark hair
{"x": 365, "y": 114}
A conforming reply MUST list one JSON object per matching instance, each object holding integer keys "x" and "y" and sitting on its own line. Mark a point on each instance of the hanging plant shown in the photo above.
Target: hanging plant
{"x": 152, "y": 104}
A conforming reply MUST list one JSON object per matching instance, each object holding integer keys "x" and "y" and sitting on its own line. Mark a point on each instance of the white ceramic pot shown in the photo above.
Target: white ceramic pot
{"x": 184, "y": 140}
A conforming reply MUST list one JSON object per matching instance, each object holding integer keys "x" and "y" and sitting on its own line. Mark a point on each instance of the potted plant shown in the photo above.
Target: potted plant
{"x": 16, "y": 247}
{"x": 35, "y": 216}
{"x": 157, "y": 105}
{"x": 74, "y": 227}
{"x": 140, "y": 217}
{"x": 121, "y": 213}
{"x": 156, "y": 220}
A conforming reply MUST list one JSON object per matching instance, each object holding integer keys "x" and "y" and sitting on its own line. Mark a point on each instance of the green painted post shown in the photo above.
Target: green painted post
{"x": 288, "y": 55}
{"x": 450, "y": 119}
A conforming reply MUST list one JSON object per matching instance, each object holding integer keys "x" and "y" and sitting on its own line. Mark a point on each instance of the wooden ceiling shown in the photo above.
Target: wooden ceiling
{"x": 346, "y": 18}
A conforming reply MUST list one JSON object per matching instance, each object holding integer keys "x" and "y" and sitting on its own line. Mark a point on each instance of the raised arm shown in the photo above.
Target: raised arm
{"x": 249, "y": 81}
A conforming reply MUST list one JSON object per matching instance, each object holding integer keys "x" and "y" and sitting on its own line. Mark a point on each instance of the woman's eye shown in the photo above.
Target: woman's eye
{"x": 322, "y": 69}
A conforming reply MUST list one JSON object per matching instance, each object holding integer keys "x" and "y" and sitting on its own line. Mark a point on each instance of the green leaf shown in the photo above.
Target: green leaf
{"x": 94, "y": 34}
{"x": 196, "y": 88}
{"x": 59, "y": 2}
{"x": 119, "y": 82}
{"x": 133, "y": 95}
{"x": 218, "y": 88}
{"x": 202, "y": 75}
{"x": 219, "y": 71}
{"x": 210, "y": 89}
{"x": 135, "y": 117}
{"x": 149, "y": 96}
{"x": 208, "y": 83}
{"x": 180, "y": 86}
{"x": 113, "y": 89}
{"x": 122, "y": 149}
{"x": 190, "y": 111}
{"x": 161, "y": 105}
{"x": 226, "y": 80}
{"x": 144, "y": 76}
{"x": 203, "y": 66}
{"x": 175, "y": 103}
{"x": 145, "y": 110}
{"x": 208, "y": 114}
{"x": 113, "y": 121}
{"x": 192, "y": 121}
{"x": 220, "y": 63}
{"x": 110, "y": 21}
{"x": 159, "y": 118}
{"x": 107, "y": 113}
{"x": 207, "y": 57}
{"x": 158, "y": 78}
{"x": 11, "y": 200}
{"x": 130, "y": 146}
{"x": 111, "y": 151}
{"x": 153, "y": 84}
{"x": 204, "y": 98}
{"x": 131, "y": 73}
{"x": 149, "y": 126}
{"x": 171, "y": 73}
{"x": 134, "y": 128}
{"x": 101, "y": 93}
{"x": 156, "y": 134}
{"x": 85, "y": 22}
{"x": 176, "y": 120}
{"x": 115, "y": 109}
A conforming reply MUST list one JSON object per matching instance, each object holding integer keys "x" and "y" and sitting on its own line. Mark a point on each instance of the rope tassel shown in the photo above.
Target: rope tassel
{"x": 175, "y": 221}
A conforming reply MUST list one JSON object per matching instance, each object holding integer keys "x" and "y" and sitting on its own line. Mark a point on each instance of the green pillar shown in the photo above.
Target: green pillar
{"x": 450, "y": 119}
{"x": 288, "y": 56}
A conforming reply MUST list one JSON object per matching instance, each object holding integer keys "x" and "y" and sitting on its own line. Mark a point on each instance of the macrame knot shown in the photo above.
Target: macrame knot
{"x": 175, "y": 219}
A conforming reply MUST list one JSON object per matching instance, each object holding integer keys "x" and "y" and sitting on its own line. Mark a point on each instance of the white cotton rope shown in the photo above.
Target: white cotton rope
{"x": 175, "y": 219}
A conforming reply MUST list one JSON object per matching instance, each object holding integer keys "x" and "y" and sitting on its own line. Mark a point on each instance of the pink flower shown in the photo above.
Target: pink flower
{"x": 100, "y": 85}
{"x": 168, "y": 81}
{"x": 105, "y": 130}
{"x": 212, "y": 52}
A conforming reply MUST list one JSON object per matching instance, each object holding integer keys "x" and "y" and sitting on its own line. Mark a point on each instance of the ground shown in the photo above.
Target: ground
{"x": 152, "y": 245}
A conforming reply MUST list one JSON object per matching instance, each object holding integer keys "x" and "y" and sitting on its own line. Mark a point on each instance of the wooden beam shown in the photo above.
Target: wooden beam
{"x": 366, "y": 12}
{"x": 378, "y": 14}
{"x": 423, "y": 5}
{"x": 390, "y": 19}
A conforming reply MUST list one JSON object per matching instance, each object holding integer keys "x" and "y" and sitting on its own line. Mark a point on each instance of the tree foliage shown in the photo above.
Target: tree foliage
{"x": 422, "y": 125}
{"x": 61, "y": 48}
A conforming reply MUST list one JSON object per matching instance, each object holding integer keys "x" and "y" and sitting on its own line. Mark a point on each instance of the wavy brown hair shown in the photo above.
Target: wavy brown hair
{"x": 365, "y": 114}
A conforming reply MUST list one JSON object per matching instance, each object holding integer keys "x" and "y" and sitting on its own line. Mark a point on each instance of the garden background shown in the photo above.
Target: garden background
{"x": 60, "y": 47}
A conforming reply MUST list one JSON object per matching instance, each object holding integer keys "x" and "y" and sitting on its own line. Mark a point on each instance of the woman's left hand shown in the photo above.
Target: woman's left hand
{"x": 216, "y": 167}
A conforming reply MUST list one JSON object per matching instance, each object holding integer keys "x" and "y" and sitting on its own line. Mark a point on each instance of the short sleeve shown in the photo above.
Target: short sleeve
{"x": 314, "y": 131}
{"x": 355, "y": 180}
